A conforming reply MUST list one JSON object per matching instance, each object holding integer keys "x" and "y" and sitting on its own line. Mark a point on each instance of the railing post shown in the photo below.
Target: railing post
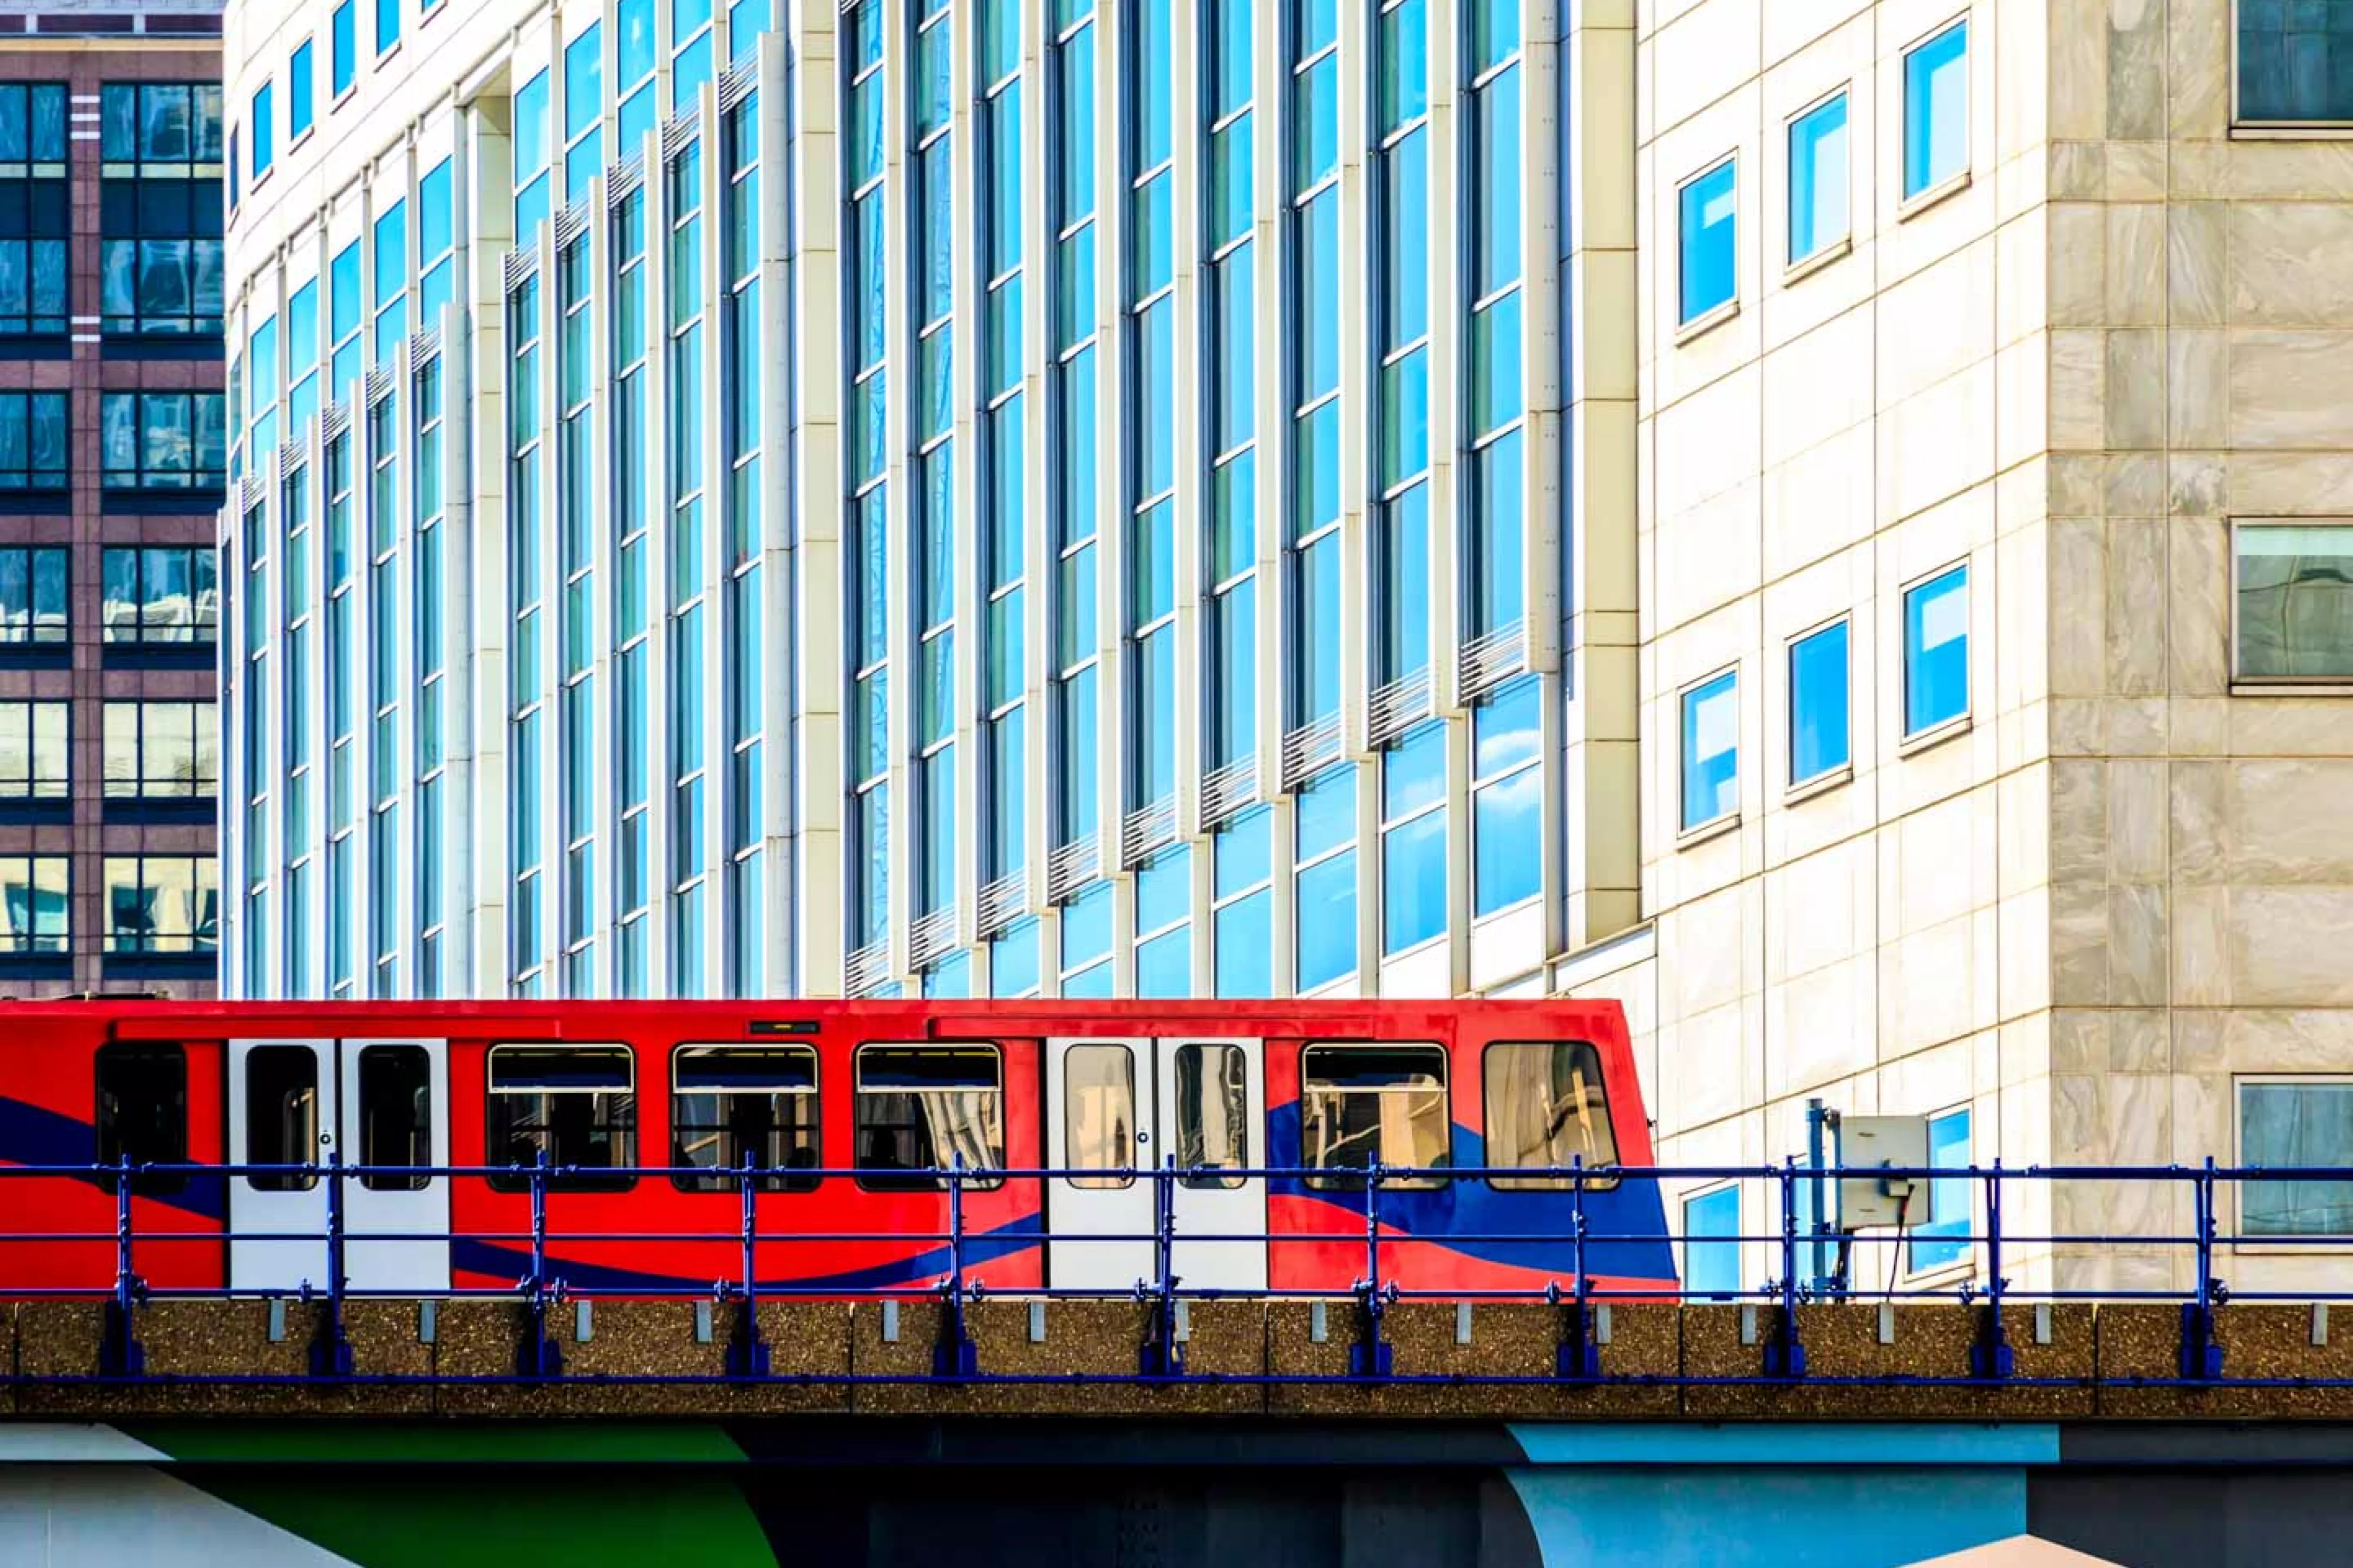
{"x": 330, "y": 1350}
{"x": 542, "y": 1357}
{"x": 1991, "y": 1357}
{"x": 1578, "y": 1357}
{"x": 956, "y": 1356}
{"x": 2202, "y": 1354}
{"x": 1785, "y": 1356}
{"x": 1164, "y": 1353}
{"x": 748, "y": 1353}
{"x": 1369, "y": 1355}
{"x": 119, "y": 1353}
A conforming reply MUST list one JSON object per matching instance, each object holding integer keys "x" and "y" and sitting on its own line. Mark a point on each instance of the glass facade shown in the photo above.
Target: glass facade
{"x": 1098, "y": 715}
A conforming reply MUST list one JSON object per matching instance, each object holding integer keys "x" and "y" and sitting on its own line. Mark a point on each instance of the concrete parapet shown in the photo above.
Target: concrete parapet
{"x": 1497, "y": 1339}
{"x": 220, "y": 1340}
{"x": 1044, "y": 1339}
{"x": 630, "y": 1339}
{"x": 2143, "y": 1340}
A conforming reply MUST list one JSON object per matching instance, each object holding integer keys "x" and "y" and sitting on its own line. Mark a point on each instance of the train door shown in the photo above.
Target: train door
{"x": 304, "y": 1102}
{"x": 1115, "y": 1108}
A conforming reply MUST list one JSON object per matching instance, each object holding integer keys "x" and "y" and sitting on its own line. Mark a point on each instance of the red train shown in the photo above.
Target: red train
{"x": 878, "y": 1093}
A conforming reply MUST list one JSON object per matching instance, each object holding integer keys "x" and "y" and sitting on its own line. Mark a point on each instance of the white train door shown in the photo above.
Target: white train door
{"x": 1116, "y": 1109}
{"x": 308, "y": 1102}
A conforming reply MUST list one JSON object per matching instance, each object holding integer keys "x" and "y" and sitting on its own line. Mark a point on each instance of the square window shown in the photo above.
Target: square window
{"x": 2296, "y": 1125}
{"x": 1937, "y": 111}
{"x": 1711, "y": 717}
{"x": 1937, "y": 651}
{"x": 1712, "y": 1245}
{"x": 1943, "y": 1236}
{"x": 1818, "y": 179}
{"x": 1711, "y": 208}
{"x": 2293, "y": 584}
{"x": 1820, "y": 740}
{"x": 2295, "y": 62}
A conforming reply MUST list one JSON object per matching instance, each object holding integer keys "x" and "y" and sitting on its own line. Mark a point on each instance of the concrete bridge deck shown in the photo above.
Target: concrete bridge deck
{"x": 1656, "y": 1361}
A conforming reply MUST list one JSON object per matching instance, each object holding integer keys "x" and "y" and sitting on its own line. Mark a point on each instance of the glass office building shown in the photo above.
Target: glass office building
{"x": 942, "y": 497}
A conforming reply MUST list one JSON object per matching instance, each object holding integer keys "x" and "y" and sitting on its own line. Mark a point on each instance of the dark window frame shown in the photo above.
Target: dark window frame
{"x": 619, "y": 1122}
{"x": 881, "y": 1180}
{"x": 726, "y": 1178}
{"x": 1446, "y": 1099}
{"x": 1543, "y": 1184}
{"x": 269, "y": 1101}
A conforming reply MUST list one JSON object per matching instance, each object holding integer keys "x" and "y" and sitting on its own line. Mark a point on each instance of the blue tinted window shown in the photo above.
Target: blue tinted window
{"x": 1711, "y": 209}
{"x": 633, "y": 41}
{"x": 344, "y": 45}
{"x": 1163, "y": 890}
{"x": 1244, "y": 847}
{"x": 1937, "y": 651}
{"x": 1936, "y": 109}
{"x": 1817, "y": 195}
{"x": 1943, "y": 1236}
{"x": 1328, "y": 812}
{"x": 1506, "y": 730}
{"x": 1711, "y": 750}
{"x": 1507, "y": 840}
{"x": 1327, "y": 921}
{"x": 2295, "y": 60}
{"x": 1086, "y": 926}
{"x": 387, "y": 23}
{"x": 1163, "y": 966}
{"x": 584, "y": 83}
{"x": 1245, "y": 943}
{"x": 2303, "y": 1125}
{"x": 1711, "y": 1247}
{"x": 1818, "y": 740}
{"x": 1013, "y": 959}
{"x": 530, "y": 146}
{"x": 299, "y": 90}
{"x": 261, "y": 129}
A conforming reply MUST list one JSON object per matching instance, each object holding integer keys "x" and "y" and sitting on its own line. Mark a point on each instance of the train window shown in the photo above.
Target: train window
{"x": 396, "y": 1114}
{"x": 1545, "y": 1107}
{"x": 1099, "y": 1115}
{"x": 142, "y": 1112}
{"x": 281, "y": 1116}
{"x": 1359, "y": 1103}
{"x": 577, "y": 1104}
{"x": 1212, "y": 1113}
{"x": 919, "y": 1107}
{"x": 731, "y": 1103}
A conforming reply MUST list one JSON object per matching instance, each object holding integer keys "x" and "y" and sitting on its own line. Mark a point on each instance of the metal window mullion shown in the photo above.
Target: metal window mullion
{"x": 659, "y": 543}
{"x": 1545, "y": 397}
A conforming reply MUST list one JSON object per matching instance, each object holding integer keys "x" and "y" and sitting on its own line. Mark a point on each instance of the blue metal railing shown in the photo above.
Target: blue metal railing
{"x": 1977, "y": 1278}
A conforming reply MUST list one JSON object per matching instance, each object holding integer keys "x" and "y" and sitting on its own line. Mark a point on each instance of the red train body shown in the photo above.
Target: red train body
{"x": 1307, "y": 1092}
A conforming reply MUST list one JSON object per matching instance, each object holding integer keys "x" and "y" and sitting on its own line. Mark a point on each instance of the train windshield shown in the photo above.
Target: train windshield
{"x": 923, "y": 1108}
{"x": 1546, "y": 1111}
{"x": 1363, "y": 1104}
{"x": 734, "y": 1104}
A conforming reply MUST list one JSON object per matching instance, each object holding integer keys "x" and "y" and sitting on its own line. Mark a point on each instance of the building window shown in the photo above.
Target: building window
{"x": 1507, "y": 862}
{"x": 162, "y": 750}
{"x": 33, "y": 906}
{"x": 1711, "y": 755}
{"x": 1230, "y": 688}
{"x": 1937, "y": 111}
{"x": 162, "y": 440}
{"x": 1546, "y": 1110}
{"x": 2294, "y": 588}
{"x": 2295, "y": 62}
{"x": 387, "y": 23}
{"x": 1163, "y": 928}
{"x": 1712, "y": 1245}
{"x": 633, "y": 64}
{"x": 36, "y": 212}
{"x": 1324, "y": 912}
{"x": 1363, "y": 1105}
{"x": 342, "y": 48}
{"x": 152, "y": 595}
{"x": 1941, "y": 1237}
{"x": 1819, "y": 743}
{"x": 34, "y": 452}
{"x": 533, "y": 154}
{"x": 299, "y": 93}
{"x": 1242, "y": 890}
{"x": 1937, "y": 651}
{"x": 1710, "y": 204}
{"x": 33, "y": 596}
{"x": 584, "y": 111}
{"x": 1818, "y": 179}
{"x": 575, "y": 1105}
{"x": 162, "y": 904}
{"x": 390, "y": 238}
{"x": 261, "y": 144}
{"x": 1317, "y": 276}
{"x": 1400, "y": 540}
{"x": 1413, "y": 839}
{"x": 160, "y": 208}
{"x": 1086, "y": 965}
{"x": 32, "y": 750}
{"x": 736, "y": 1105}
{"x": 1497, "y": 521}
{"x": 2304, "y": 1125}
{"x": 928, "y": 1108}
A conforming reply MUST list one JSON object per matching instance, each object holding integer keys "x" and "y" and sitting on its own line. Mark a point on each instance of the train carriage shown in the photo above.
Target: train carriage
{"x": 645, "y": 1115}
